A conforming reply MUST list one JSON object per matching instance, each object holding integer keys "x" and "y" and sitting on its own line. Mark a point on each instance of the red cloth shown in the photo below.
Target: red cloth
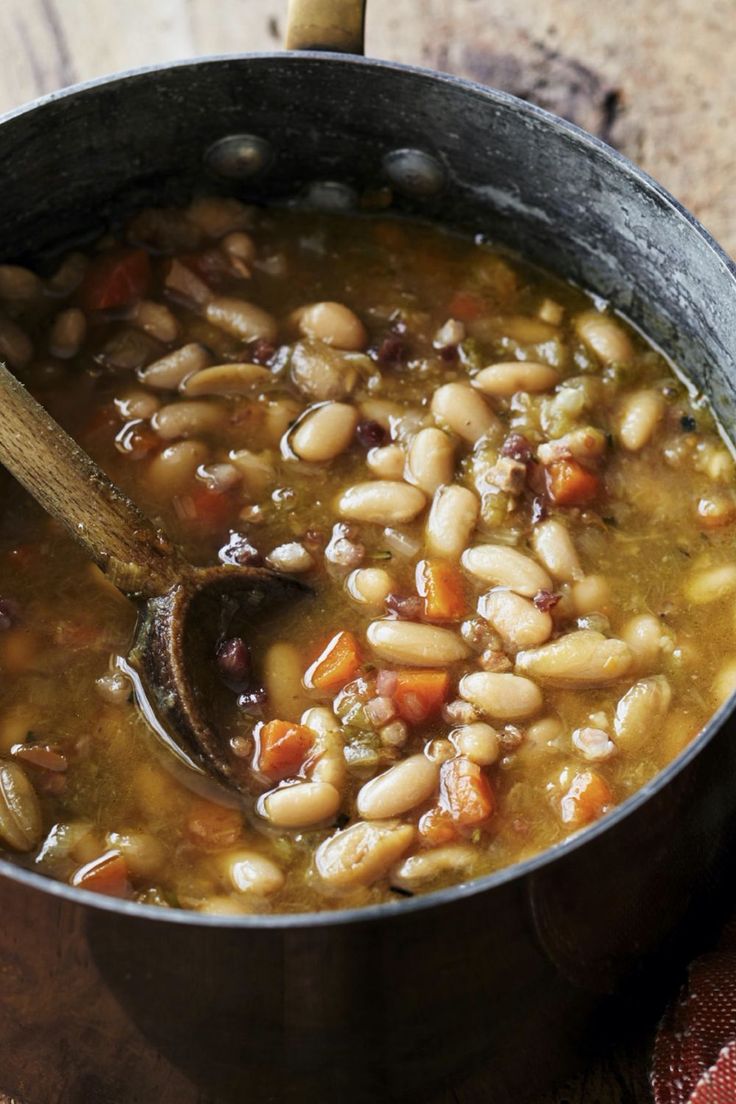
{"x": 694, "y": 1058}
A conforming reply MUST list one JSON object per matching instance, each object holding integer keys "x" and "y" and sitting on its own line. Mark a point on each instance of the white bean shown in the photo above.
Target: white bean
{"x": 640, "y": 712}
{"x": 554, "y": 547}
{"x": 452, "y": 332}
{"x": 508, "y": 377}
{"x": 584, "y": 443}
{"x": 240, "y": 250}
{"x": 516, "y": 619}
{"x": 21, "y": 822}
{"x": 361, "y": 854}
{"x": 578, "y": 659}
{"x": 240, "y": 318}
{"x": 174, "y": 468}
{"x": 507, "y": 697}
{"x": 386, "y": 461}
{"x": 640, "y": 415}
{"x": 292, "y": 557}
{"x": 408, "y": 783}
{"x": 415, "y": 644}
{"x": 251, "y": 872}
{"x": 282, "y": 675}
{"x": 464, "y": 411}
{"x": 326, "y": 762}
{"x": 333, "y": 323}
{"x": 256, "y": 468}
{"x": 216, "y": 216}
{"x": 169, "y": 372}
{"x": 67, "y": 333}
{"x": 604, "y": 337}
{"x": 370, "y": 586}
{"x": 430, "y": 461}
{"x": 478, "y": 742}
{"x": 323, "y": 432}
{"x": 187, "y": 419}
{"x": 225, "y": 379}
{"x": 383, "y": 411}
{"x": 279, "y": 414}
{"x": 156, "y": 320}
{"x": 143, "y": 853}
{"x": 320, "y": 372}
{"x": 645, "y": 636}
{"x": 137, "y": 404}
{"x": 711, "y": 584}
{"x": 15, "y": 344}
{"x": 592, "y": 594}
{"x": 300, "y": 804}
{"x": 19, "y": 284}
{"x": 382, "y": 502}
{"x": 503, "y": 566}
{"x": 452, "y": 519}
{"x": 425, "y": 866}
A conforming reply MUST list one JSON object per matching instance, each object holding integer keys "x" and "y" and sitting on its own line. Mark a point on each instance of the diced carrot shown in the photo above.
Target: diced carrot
{"x": 570, "y": 484}
{"x": 336, "y": 665}
{"x": 585, "y": 800}
{"x": 282, "y": 748}
{"x": 465, "y": 792}
{"x": 206, "y": 507}
{"x": 116, "y": 279}
{"x": 420, "y": 693}
{"x": 212, "y": 826}
{"x": 443, "y": 590}
{"x": 436, "y": 827}
{"x": 466, "y": 306}
{"x": 107, "y": 874}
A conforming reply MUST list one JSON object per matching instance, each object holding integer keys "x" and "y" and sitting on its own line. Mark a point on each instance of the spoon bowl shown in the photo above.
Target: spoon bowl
{"x": 175, "y": 649}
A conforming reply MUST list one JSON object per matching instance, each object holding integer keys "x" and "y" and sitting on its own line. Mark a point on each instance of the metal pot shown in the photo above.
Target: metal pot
{"x": 516, "y": 971}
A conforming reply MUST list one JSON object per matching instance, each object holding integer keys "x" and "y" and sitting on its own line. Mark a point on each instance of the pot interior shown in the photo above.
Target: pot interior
{"x": 496, "y": 166}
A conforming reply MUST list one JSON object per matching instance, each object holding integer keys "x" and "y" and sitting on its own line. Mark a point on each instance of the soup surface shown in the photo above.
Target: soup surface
{"x": 515, "y": 521}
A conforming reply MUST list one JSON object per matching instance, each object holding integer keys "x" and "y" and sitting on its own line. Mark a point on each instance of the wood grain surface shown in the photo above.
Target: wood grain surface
{"x": 657, "y": 78}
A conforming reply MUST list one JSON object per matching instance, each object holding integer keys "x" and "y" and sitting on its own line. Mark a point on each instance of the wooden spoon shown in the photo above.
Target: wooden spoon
{"x": 178, "y": 601}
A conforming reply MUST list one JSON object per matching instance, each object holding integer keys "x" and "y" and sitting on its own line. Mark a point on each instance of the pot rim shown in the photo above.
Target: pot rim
{"x": 448, "y": 896}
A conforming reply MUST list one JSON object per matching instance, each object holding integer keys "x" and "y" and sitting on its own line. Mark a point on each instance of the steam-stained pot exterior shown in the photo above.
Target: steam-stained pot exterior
{"x": 381, "y": 1003}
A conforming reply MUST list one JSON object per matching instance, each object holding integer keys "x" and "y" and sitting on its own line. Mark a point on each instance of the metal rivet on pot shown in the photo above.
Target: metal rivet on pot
{"x": 238, "y": 156}
{"x": 330, "y": 195}
{"x": 414, "y": 172}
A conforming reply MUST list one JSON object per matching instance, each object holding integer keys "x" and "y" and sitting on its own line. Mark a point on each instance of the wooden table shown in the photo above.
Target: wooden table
{"x": 657, "y": 78}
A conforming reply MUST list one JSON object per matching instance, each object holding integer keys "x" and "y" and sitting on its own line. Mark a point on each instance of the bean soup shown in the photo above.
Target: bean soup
{"x": 514, "y": 519}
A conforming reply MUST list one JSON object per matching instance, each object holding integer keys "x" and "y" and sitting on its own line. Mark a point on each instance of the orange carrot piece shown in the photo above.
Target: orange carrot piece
{"x": 420, "y": 693}
{"x": 212, "y": 826}
{"x": 465, "y": 792}
{"x": 210, "y": 508}
{"x": 586, "y": 799}
{"x": 116, "y": 279}
{"x": 106, "y": 874}
{"x": 336, "y": 665}
{"x": 281, "y": 748}
{"x": 466, "y": 306}
{"x": 436, "y": 827}
{"x": 443, "y": 590}
{"x": 570, "y": 484}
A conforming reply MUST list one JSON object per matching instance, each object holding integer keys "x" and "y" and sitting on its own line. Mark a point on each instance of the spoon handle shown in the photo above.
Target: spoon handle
{"x": 136, "y": 557}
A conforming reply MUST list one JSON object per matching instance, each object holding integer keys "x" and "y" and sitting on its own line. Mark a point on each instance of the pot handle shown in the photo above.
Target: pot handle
{"x": 326, "y": 25}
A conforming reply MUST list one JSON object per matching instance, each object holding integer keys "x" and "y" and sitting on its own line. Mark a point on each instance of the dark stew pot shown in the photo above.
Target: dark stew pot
{"x": 519, "y": 973}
